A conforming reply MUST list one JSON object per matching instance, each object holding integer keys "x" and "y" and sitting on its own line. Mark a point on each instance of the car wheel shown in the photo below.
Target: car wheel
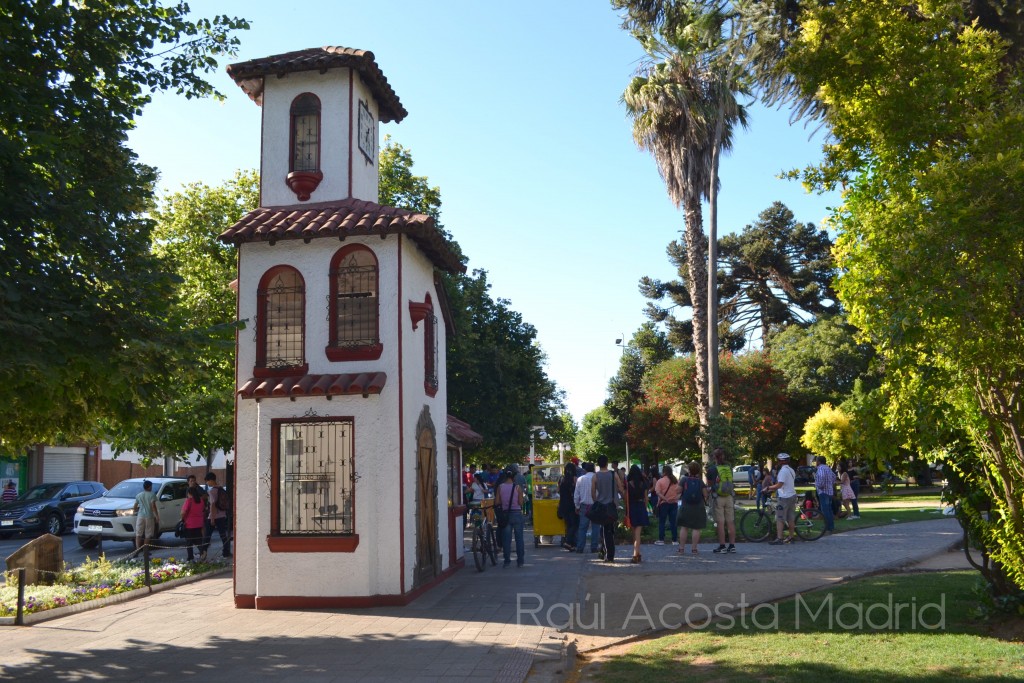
{"x": 88, "y": 542}
{"x": 55, "y": 525}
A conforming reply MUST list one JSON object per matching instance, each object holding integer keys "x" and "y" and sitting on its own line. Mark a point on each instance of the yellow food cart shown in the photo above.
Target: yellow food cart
{"x": 545, "y": 504}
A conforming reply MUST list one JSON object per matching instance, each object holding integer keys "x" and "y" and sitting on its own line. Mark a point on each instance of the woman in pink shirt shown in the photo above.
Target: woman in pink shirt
{"x": 193, "y": 513}
{"x": 667, "y": 490}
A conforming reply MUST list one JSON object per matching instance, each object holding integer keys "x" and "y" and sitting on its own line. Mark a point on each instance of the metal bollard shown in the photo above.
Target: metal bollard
{"x": 19, "y": 618}
{"x": 145, "y": 560}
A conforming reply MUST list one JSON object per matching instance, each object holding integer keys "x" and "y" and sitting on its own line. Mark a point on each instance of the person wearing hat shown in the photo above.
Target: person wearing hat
{"x": 147, "y": 518}
{"x": 785, "y": 509}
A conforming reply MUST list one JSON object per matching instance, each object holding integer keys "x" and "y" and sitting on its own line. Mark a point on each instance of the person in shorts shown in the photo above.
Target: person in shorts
{"x": 785, "y": 509}
{"x": 147, "y": 518}
{"x": 719, "y": 478}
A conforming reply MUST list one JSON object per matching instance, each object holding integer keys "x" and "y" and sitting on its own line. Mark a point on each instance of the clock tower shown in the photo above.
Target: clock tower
{"x": 321, "y": 110}
{"x": 341, "y": 480}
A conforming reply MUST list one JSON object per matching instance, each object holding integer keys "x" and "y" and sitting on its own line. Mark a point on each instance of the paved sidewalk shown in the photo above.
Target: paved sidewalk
{"x": 490, "y": 626}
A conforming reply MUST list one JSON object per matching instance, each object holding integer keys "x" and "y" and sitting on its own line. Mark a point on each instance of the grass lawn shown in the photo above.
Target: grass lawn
{"x": 924, "y": 499}
{"x": 934, "y": 640}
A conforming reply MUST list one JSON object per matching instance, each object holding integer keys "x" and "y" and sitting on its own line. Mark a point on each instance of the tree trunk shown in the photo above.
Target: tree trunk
{"x": 696, "y": 262}
{"x": 712, "y": 291}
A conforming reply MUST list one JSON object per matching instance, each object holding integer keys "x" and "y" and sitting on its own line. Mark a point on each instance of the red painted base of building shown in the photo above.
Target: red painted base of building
{"x": 321, "y": 602}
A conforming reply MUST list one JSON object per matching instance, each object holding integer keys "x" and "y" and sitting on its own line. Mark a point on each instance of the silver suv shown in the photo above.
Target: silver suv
{"x": 112, "y": 517}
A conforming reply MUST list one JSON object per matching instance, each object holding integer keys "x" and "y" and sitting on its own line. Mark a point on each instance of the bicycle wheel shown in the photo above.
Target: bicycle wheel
{"x": 477, "y": 547}
{"x": 755, "y": 525}
{"x": 810, "y": 524}
{"x": 490, "y": 543}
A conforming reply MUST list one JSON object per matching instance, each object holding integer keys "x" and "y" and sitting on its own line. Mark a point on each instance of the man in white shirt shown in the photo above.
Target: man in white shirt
{"x": 583, "y": 498}
{"x": 785, "y": 510}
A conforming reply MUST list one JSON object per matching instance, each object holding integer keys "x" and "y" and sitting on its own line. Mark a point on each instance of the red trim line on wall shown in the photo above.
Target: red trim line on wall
{"x": 401, "y": 428}
{"x": 238, "y": 381}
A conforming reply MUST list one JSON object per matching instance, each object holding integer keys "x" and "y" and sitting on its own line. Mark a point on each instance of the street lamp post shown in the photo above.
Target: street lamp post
{"x": 561, "y": 448}
{"x": 621, "y": 343}
{"x": 535, "y": 431}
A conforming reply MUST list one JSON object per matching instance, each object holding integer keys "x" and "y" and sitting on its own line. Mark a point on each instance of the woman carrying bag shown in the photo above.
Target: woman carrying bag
{"x": 193, "y": 516}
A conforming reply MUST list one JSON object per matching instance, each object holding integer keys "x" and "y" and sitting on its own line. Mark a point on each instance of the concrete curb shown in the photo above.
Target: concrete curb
{"x": 88, "y": 605}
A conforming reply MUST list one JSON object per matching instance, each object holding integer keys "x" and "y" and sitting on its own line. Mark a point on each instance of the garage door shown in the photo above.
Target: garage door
{"x": 63, "y": 464}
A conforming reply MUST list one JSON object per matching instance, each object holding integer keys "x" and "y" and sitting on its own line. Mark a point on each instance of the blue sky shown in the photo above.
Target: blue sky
{"x": 514, "y": 113}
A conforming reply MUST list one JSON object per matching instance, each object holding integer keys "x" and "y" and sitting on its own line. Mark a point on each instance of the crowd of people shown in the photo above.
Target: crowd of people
{"x": 592, "y": 496}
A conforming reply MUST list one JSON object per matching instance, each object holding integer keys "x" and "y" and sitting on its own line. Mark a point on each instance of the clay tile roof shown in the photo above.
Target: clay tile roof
{"x": 354, "y": 384}
{"x": 461, "y": 432}
{"x": 249, "y": 75}
{"x": 342, "y": 219}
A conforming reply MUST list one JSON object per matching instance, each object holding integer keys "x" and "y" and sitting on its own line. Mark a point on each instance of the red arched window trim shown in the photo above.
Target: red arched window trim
{"x": 354, "y": 306}
{"x": 267, "y": 366}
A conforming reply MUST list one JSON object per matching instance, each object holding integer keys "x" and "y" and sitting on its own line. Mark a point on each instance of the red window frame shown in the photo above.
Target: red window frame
{"x": 261, "y": 369}
{"x": 313, "y": 543}
{"x": 334, "y": 351}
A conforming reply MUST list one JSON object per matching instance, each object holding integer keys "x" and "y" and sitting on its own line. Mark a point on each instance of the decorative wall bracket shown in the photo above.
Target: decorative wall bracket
{"x": 303, "y": 183}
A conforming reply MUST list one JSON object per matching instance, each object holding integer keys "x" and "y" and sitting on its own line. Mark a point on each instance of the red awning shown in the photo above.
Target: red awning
{"x": 353, "y": 384}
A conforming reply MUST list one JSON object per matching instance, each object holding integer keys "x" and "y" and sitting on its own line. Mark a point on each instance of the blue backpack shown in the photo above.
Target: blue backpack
{"x": 692, "y": 491}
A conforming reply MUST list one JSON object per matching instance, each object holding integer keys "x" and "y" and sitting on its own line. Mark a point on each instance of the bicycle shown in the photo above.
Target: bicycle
{"x": 758, "y": 524}
{"x": 485, "y": 536}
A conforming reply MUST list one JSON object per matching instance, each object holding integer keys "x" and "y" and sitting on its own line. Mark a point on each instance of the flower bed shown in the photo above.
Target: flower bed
{"x": 95, "y": 579}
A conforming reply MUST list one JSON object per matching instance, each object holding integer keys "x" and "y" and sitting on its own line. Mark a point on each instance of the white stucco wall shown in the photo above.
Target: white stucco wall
{"x": 375, "y": 567}
{"x": 338, "y": 108}
{"x": 417, "y": 282}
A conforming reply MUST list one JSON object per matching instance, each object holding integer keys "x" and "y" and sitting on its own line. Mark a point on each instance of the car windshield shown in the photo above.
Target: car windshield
{"x": 44, "y": 492}
{"x": 126, "y": 489}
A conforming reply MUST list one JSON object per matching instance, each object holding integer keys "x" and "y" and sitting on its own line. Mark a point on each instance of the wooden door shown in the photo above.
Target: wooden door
{"x": 428, "y": 559}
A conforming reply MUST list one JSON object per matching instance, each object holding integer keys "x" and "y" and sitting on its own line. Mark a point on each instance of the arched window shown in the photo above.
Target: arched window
{"x": 281, "y": 323}
{"x": 305, "y": 116}
{"x": 354, "y": 312}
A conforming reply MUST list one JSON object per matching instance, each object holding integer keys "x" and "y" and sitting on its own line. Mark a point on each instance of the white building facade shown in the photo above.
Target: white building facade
{"x": 341, "y": 491}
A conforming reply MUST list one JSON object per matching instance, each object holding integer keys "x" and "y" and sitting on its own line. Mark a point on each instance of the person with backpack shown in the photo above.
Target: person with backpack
{"x": 604, "y": 487}
{"x": 693, "y": 514}
{"x": 719, "y": 475}
{"x": 667, "y": 490}
{"x": 220, "y": 505}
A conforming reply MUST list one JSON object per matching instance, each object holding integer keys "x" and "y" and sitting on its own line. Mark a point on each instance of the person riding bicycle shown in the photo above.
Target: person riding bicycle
{"x": 785, "y": 509}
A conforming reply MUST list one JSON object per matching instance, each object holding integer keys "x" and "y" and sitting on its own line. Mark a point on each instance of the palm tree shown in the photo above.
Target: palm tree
{"x": 683, "y": 115}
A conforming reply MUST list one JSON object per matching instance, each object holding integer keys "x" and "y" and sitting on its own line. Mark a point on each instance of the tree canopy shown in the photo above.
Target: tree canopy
{"x": 197, "y": 410}
{"x": 83, "y": 301}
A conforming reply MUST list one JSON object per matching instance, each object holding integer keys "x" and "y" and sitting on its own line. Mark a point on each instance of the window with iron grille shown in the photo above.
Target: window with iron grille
{"x": 354, "y": 305}
{"x": 282, "y": 303}
{"x": 305, "y": 118}
{"x": 430, "y": 354}
{"x": 315, "y": 478}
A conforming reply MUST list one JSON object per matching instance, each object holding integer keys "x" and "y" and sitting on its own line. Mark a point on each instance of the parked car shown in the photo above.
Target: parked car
{"x": 740, "y": 477}
{"x": 47, "y": 507}
{"x": 804, "y": 475}
{"x": 112, "y": 517}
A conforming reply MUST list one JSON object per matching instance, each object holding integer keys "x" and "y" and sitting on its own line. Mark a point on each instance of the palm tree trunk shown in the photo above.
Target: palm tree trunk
{"x": 713, "y": 394}
{"x": 696, "y": 262}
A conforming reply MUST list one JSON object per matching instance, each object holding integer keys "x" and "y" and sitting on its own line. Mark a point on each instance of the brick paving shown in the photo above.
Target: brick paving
{"x": 505, "y": 625}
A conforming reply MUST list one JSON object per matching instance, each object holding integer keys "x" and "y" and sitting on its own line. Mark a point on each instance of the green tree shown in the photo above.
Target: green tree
{"x": 821, "y": 363}
{"x": 927, "y": 112}
{"x": 590, "y": 440}
{"x": 83, "y": 302}
{"x": 496, "y": 376}
{"x": 197, "y": 412}
{"x": 648, "y": 347}
{"x": 777, "y": 273}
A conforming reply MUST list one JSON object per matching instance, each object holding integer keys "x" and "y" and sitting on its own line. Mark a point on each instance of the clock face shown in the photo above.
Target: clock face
{"x": 367, "y": 133}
